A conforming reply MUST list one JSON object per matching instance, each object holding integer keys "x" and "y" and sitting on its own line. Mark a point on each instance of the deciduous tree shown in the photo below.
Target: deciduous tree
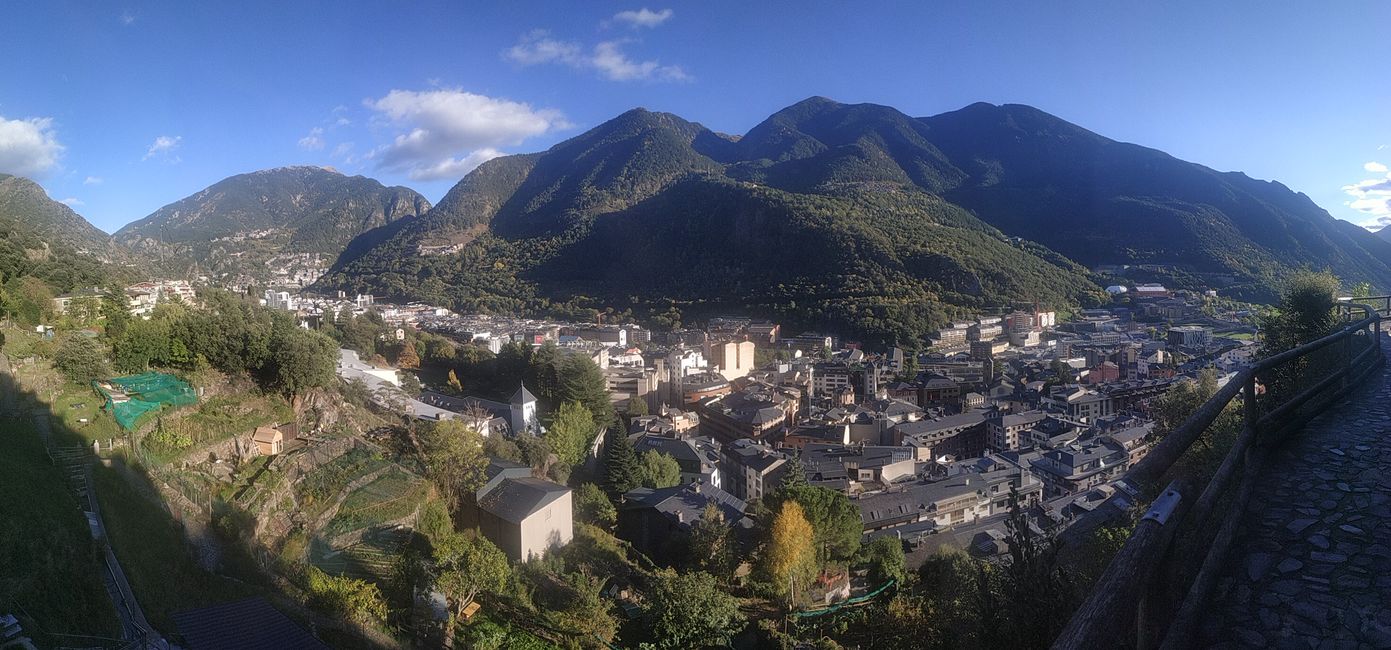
{"x": 454, "y": 457}
{"x": 658, "y": 470}
{"x": 790, "y": 557}
{"x": 571, "y": 433}
{"x": 467, "y": 565}
{"x": 692, "y": 611}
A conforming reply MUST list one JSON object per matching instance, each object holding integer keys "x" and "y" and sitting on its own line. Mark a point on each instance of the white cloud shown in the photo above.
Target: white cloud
{"x": 1371, "y": 197}
{"x": 448, "y": 130}
{"x": 611, "y": 61}
{"x": 28, "y": 147}
{"x": 314, "y": 141}
{"x": 643, "y": 17}
{"x": 164, "y": 146}
{"x": 1375, "y": 167}
{"x": 72, "y": 202}
{"x": 127, "y": 18}
{"x": 93, "y": 180}
{"x": 342, "y": 150}
{"x": 537, "y": 46}
{"x": 452, "y": 168}
{"x": 606, "y": 57}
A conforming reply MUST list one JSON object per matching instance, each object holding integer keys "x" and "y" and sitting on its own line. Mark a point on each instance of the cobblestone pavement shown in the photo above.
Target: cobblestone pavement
{"x": 1311, "y": 566}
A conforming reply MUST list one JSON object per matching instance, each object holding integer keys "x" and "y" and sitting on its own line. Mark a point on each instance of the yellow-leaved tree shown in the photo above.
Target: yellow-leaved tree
{"x": 790, "y": 555}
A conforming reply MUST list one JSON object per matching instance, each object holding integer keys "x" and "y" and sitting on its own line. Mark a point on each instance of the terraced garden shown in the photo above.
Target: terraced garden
{"x": 318, "y": 491}
{"x": 394, "y": 495}
{"x": 373, "y": 559}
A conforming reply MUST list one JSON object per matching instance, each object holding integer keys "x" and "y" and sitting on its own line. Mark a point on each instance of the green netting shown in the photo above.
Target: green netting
{"x": 148, "y": 391}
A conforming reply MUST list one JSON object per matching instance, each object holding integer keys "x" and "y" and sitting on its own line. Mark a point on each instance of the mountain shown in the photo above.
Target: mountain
{"x": 1093, "y": 199}
{"x": 643, "y": 210}
{"x": 45, "y": 238}
{"x": 858, "y": 217}
{"x": 1384, "y": 233}
{"x": 269, "y": 224}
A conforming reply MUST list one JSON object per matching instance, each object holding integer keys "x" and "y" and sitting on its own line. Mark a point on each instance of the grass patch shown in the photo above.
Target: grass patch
{"x": 391, "y": 496}
{"x": 76, "y": 403}
{"x": 48, "y": 561}
{"x": 154, "y": 554}
{"x": 318, "y": 490}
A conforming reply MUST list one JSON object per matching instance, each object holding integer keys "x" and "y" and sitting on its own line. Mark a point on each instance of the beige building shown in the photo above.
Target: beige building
{"x": 524, "y": 516}
{"x": 734, "y": 359}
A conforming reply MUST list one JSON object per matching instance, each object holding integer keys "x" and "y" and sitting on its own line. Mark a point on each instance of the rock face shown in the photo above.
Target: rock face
{"x": 251, "y": 226}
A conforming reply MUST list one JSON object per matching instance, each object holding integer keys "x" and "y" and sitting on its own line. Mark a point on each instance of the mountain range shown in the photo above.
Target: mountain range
{"x": 241, "y": 227}
{"x": 855, "y": 217}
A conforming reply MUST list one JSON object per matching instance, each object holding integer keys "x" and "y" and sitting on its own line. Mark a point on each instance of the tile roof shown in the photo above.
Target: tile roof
{"x": 515, "y": 499}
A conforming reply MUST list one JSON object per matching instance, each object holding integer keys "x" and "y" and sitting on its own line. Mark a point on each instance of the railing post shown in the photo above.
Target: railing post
{"x": 1249, "y": 396}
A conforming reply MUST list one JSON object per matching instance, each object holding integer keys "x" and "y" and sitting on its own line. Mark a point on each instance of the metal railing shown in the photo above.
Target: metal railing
{"x": 1152, "y": 592}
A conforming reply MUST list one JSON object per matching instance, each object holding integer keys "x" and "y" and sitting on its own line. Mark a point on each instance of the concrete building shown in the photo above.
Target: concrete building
{"x": 752, "y": 469}
{"x": 524, "y": 516}
{"x": 1190, "y": 336}
{"x": 1008, "y": 432}
{"x": 734, "y": 359}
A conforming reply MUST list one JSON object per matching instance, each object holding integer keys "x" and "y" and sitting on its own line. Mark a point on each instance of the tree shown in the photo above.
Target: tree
{"x": 884, "y": 556}
{"x": 454, "y": 459}
{"x": 593, "y": 506}
{"x": 581, "y": 380}
{"x": 454, "y": 385}
{"x": 300, "y": 360}
{"x": 1174, "y": 408}
{"x": 658, "y": 470}
{"x": 356, "y": 600}
{"x": 691, "y": 611}
{"x": 435, "y": 523}
{"x": 571, "y": 433}
{"x": 360, "y": 333}
{"x": 636, "y": 407}
{"x": 621, "y": 472}
{"x": 1307, "y": 312}
{"x": 1041, "y": 594}
{"x": 80, "y": 359}
{"x": 790, "y": 556}
{"x": 793, "y": 477}
{"x": 467, "y": 565}
{"x": 711, "y": 544}
{"x": 2, "y": 340}
{"x": 408, "y": 358}
{"x": 30, "y": 299}
{"x": 833, "y": 516}
{"x": 115, "y": 310}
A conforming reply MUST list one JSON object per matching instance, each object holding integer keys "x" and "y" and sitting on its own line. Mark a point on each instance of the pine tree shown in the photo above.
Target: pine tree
{"x": 795, "y": 476}
{"x": 620, "y": 464}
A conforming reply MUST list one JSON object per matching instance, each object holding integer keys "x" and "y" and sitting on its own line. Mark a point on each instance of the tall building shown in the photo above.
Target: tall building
{"x": 734, "y": 359}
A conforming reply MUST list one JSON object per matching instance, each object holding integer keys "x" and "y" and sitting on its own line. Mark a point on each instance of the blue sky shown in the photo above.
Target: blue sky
{"x": 120, "y": 109}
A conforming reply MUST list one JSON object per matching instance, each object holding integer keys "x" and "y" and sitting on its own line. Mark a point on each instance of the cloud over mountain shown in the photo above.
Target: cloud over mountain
{"x": 447, "y": 132}
{"x": 28, "y": 147}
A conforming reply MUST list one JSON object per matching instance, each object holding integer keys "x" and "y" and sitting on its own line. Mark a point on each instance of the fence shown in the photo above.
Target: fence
{"x": 1154, "y": 588}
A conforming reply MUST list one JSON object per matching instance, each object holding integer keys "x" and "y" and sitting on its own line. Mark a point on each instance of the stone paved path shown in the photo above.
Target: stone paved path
{"x": 1311, "y": 566}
